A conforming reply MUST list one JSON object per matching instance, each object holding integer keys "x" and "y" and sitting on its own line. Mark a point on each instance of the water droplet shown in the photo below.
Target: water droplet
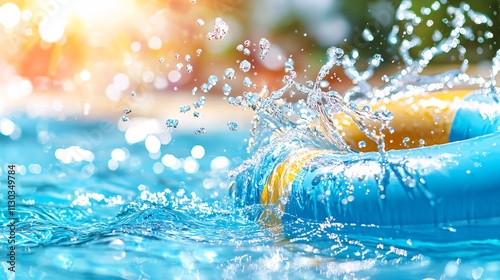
{"x": 192, "y": 1}
{"x": 245, "y": 66}
{"x": 177, "y": 56}
{"x": 133, "y": 93}
{"x": 393, "y": 36}
{"x": 229, "y": 73}
{"x": 200, "y": 130}
{"x": 406, "y": 140}
{"x": 189, "y": 68}
{"x": 385, "y": 78}
{"x": 161, "y": 59}
{"x": 124, "y": 118}
{"x": 127, "y": 111}
{"x": 240, "y": 47}
{"x": 172, "y": 123}
{"x": 201, "y": 101}
{"x": 425, "y": 11}
{"x": 435, "y": 5}
{"x": 264, "y": 46}
{"x": 198, "y": 52}
{"x": 334, "y": 52}
{"x": 212, "y": 80}
{"x": 247, "y": 43}
{"x": 367, "y": 35}
{"x": 194, "y": 90}
{"x": 247, "y": 82}
{"x": 376, "y": 60}
{"x": 361, "y": 144}
{"x": 184, "y": 108}
{"x": 232, "y": 126}
{"x": 427, "y": 54}
{"x": 246, "y": 51}
{"x": 226, "y": 89}
{"x": 219, "y": 30}
{"x": 205, "y": 87}
{"x": 289, "y": 65}
{"x": 200, "y": 22}
{"x": 421, "y": 142}
{"x": 187, "y": 58}
{"x": 196, "y": 114}
{"x": 179, "y": 66}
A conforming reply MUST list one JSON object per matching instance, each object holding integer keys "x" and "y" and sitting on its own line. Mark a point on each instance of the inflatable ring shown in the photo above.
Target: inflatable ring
{"x": 451, "y": 181}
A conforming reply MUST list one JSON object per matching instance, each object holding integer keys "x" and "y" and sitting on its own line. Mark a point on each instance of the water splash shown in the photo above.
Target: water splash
{"x": 312, "y": 120}
{"x": 321, "y": 105}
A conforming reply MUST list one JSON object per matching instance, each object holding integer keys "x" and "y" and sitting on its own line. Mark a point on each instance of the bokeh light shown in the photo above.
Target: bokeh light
{"x": 115, "y": 46}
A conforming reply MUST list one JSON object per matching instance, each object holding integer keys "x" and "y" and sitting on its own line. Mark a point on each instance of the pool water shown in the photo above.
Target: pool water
{"x": 131, "y": 199}
{"x": 94, "y": 212}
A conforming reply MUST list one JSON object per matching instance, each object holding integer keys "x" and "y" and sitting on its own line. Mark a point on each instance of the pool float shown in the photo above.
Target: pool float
{"x": 452, "y": 181}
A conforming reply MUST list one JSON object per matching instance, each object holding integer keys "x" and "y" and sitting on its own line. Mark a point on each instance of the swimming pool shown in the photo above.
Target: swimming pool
{"x": 85, "y": 217}
{"x": 126, "y": 195}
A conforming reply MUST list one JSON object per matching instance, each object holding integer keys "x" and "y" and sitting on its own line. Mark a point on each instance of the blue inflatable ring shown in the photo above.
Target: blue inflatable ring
{"x": 445, "y": 185}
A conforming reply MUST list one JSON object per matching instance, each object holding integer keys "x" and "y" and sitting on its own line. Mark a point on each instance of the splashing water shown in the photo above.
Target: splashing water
{"x": 320, "y": 106}
{"x": 190, "y": 236}
{"x": 280, "y": 128}
{"x": 278, "y": 124}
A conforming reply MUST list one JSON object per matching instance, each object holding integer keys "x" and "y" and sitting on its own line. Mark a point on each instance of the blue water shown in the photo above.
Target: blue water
{"x": 82, "y": 220}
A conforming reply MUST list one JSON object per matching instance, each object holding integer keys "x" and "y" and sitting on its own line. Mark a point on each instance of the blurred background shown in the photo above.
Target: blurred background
{"x": 93, "y": 49}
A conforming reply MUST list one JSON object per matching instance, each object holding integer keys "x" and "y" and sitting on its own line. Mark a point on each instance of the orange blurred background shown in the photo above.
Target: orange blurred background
{"x": 113, "y": 47}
